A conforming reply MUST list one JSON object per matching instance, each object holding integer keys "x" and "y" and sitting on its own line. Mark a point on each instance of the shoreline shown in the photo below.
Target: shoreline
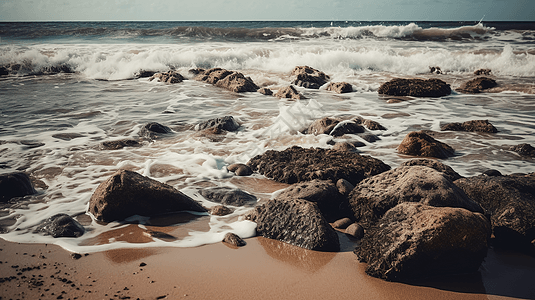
{"x": 263, "y": 269}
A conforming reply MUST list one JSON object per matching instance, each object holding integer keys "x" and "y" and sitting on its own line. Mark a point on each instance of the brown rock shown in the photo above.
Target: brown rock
{"x": 344, "y": 187}
{"x": 227, "y": 123}
{"x": 289, "y": 92}
{"x": 477, "y": 85}
{"x": 240, "y": 169}
{"x": 168, "y": 77}
{"x": 60, "y": 225}
{"x": 340, "y": 87}
{"x": 265, "y": 91}
{"x": 127, "y": 193}
{"x": 342, "y": 223}
{"x": 418, "y": 143}
{"x": 433, "y": 164}
{"x": 234, "y": 240}
{"x": 482, "y": 72}
{"x": 355, "y": 230}
{"x": 220, "y": 210}
{"x": 119, "y": 144}
{"x": 345, "y": 146}
{"x": 472, "y": 126}
{"x": 415, "y": 87}
{"x": 322, "y": 126}
{"x": 372, "y": 125}
{"x": 524, "y": 149}
{"x": 309, "y": 78}
{"x": 227, "y": 196}
{"x": 232, "y": 81}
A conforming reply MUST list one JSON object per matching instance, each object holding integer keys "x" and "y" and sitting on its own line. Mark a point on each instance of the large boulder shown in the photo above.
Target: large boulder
{"x": 295, "y": 221}
{"x": 230, "y": 80}
{"x": 309, "y": 78}
{"x": 477, "y": 85}
{"x": 227, "y": 123}
{"x": 167, "y": 77}
{"x": 61, "y": 225}
{"x": 415, "y": 87}
{"x": 523, "y": 149}
{"x": 414, "y": 241}
{"x": 472, "y": 126}
{"x": 374, "y": 196}
{"x": 340, "y": 87}
{"x": 419, "y": 143}
{"x": 127, "y": 193}
{"x": 227, "y": 196}
{"x": 289, "y": 92}
{"x": 16, "y": 184}
{"x": 433, "y": 164}
{"x": 298, "y": 164}
{"x": 510, "y": 201}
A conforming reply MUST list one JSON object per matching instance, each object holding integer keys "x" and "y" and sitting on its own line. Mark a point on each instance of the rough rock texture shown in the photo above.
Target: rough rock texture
{"x": 240, "y": 169}
{"x": 144, "y": 73}
{"x": 418, "y": 143}
{"x": 435, "y": 70}
{"x": 415, "y": 241}
{"x": 297, "y": 164}
{"x": 523, "y": 149}
{"x": 342, "y": 223}
{"x": 289, "y": 92}
{"x": 153, "y": 130}
{"x": 340, "y": 87}
{"x": 265, "y": 91}
{"x": 16, "y": 184}
{"x": 477, "y": 85}
{"x": 345, "y": 146}
{"x": 297, "y": 222}
{"x": 233, "y": 239}
{"x": 224, "y": 123}
{"x": 322, "y": 126}
{"x": 116, "y": 145}
{"x": 510, "y": 201}
{"x": 168, "y": 77}
{"x": 415, "y": 87}
{"x": 433, "y": 164}
{"x": 374, "y": 196}
{"x": 483, "y": 72}
{"x": 60, "y": 225}
{"x": 128, "y": 193}
{"x": 220, "y": 210}
{"x": 227, "y": 196}
{"x": 232, "y": 81}
{"x": 309, "y": 78}
{"x": 472, "y": 126}
{"x": 355, "y": 230}
{"x": 372, "y": 125}
{"x": 346, "y": 127}
{"x": 344, "y": 187}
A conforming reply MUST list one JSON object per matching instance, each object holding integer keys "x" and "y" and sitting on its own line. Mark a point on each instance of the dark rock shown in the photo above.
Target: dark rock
{"x": 523, "y": 149}
{"x": 355, "y": 230}
{"x": 233, "y": 239}
{"x": 433, "y": 164}
{"x": 370, "y": 138}
{"x": 265, "y": 91}
{"x": 289, "y": 92}
{"x": 346, "y": 127}
{"x": 477, "y": 85}
{"x": 127, "y": 193}
{"x": 374, "y": 196}
{"x": 418, "y": 143}
{"x": 435, "y": 70}
{"x": 344, "y": 187}
{"x": 472, "y": 126}
{"x": 297, "y": 222}
{"x": 232, "y": 81}
{"x": 220, "y": 210}
{"x": 76, "y": 255}
{"x": 227, "y": 196}
{"x": 60, "y": 225}
{"x": 340, "y": 87}
{"x": 510, "y": 201}
{"x": 67, "y": 136}
{"x": 116, "y": 145}
{"x": 144, "y": 73}
{"x": 372, "y": 125}
{"x": 16, "y": 184}
{"x": 415, "y": 241}
{"x": 196, "y": 71}
{"x": 342, "y": 223}
{"x": 492, "y": 172}
{"x": 309, "y": 78}
{"x": 482, "y": 72}
{"x": 154, "y": 130}
{"x": 415, "y": 87}
{"x": 240, "y": 169}
{"x": 50, "y": 70}
{"x": 322, "y": 126}
{"x": 297, "y": 164}
{"x": 224, "y": 123}
{"x": 168, "y": 77}
{"x": 4, "y": 71}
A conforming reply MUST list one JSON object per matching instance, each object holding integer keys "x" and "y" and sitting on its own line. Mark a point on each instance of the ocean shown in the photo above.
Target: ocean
{"x": 74, "y": 87}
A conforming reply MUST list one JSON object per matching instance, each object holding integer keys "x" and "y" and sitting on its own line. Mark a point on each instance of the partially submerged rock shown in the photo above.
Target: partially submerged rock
{"x": 227, "y": 123}
{"x": 265, "y": 91}
{"x": 340, "y": 87}
{"x": 309, "y": 78}
{"x": 477, "y": 85}
{"x": 334, "y": 127}
{"x": 374, "y": 196}
{"x": 168, "y": 77}
{"x": 220, "y": 210}
{"x": 16, "y": 184}
{"x": 289, "y": 92}
{"x": 297, "y": 222}
{"x": 483, "y": 72}
{"x": 524, "y": 149}
{"x": 119, "y": 144}
{"x": 127, "y": 193}
{"x": 60, "y": 225}
{"x": 154, "y": 130}
{"x": 346, "y": 127}
{"x": 415, "y": 87}
{"x": 413, "y": 241}
{"x": 418, "y": 143}
{"x": 230, "y": 80}
{"x": 298, "y": 164}
{"x": 240, "y": 169}
{"x": 472, "y": 126}
{"x": 433, "y": 164}
{"x": 227, "y": 196}
{"x": 373, "y": 125}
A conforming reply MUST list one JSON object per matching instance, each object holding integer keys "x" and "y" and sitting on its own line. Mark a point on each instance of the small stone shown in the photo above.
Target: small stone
{"x": 342, "y": 223}
{"x": 76, "y": 256}
{"x": 344, "y": 187}
{"x": 220, "y": 210}
{"x": 142, "y": 264}
{"x": 233, "y": 239}
{"x": 240, "y": 169}
{"x": 265, "y": 91}
{"x": 492, "y": 172}
{"x": 355, "y": 230}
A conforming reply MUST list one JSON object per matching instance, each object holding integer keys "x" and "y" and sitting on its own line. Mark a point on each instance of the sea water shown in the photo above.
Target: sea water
{"x": 51, "y": 124}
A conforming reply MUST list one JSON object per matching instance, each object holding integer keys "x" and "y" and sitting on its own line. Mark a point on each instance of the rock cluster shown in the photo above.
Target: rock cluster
{"x": 415, "y": 87}
{"x": 230, "y": 80}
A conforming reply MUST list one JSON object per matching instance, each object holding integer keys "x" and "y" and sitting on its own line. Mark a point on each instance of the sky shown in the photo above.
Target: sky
{"x": 284, "y": 10}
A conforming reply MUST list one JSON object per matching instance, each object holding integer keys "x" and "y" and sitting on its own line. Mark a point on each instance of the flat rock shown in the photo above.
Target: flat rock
{"x": 477, "y": 85}
{"x": 523, "y": 149}
{"x": 168, "y": 77}
{"x": 289, "y": 92}
{"x": 414, "y": 241}
{"x": 119, "y": 144}
{"x": 510, "y": 201}
{"x": 374, "y": 196}
{"x": 154, "y": 130}
{"x": 60, "y": 225}
{"x": 415, "y": 87}
{"x": 308, "y": 77}
{"x": 298, "y": 164}
{"x": 472, "y": 126}
{"x": 297, "y": 222}
{"x": 340, "y": 87}
{"x": 418, "y": 143}
{"x": 227, "y": 196}
{"x": 127, "y": 193}
{"x": 15, "y": 184}
{"x": 227, "y": 123}
{"x": 433, "y": 164}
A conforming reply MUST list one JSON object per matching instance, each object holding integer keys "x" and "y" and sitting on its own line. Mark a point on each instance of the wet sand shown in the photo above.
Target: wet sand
{"x": 263, "y": 269}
